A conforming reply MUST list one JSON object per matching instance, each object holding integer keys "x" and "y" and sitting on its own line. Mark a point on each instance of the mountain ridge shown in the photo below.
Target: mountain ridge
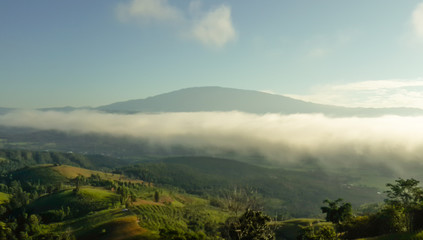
{"x": 220, "y": 99}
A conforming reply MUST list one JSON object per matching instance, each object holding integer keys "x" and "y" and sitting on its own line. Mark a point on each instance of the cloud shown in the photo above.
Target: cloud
{"x": 379, "y": 84}
{"x": 417, "y": 21}
{"x": 375, "y": 93}
{"x": 148, "y": 11}
{"x": 268, "y": 91}
{"x": 215, "y": 28}
{"x": 279, "y": 138}
{"x": 212, "y": 28}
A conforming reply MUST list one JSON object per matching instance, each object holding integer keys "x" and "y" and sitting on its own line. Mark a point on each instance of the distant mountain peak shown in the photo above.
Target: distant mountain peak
{"x": 221, "y": 99}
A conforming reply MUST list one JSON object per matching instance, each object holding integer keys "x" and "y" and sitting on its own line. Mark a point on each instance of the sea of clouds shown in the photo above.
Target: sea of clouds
{"x": 391, "y": 140}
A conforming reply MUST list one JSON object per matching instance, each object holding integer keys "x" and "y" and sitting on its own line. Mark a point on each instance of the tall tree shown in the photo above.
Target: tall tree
{"x": 156, "y": 196}
{"x": 337, "y": 211}
{"x": 252, "y": 225}
{"x": 406, "y": 196}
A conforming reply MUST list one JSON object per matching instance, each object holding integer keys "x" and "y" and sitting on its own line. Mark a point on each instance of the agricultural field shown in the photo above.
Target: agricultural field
{"x": 189, "y": 198}
{"x": 72, "y": 172}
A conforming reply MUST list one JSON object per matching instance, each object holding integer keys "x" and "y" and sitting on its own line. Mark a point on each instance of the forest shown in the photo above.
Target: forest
{"x": 54, "y": 195}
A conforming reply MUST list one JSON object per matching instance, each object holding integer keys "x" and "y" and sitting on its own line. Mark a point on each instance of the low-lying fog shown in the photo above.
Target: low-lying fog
{"x": 391, "y": 140}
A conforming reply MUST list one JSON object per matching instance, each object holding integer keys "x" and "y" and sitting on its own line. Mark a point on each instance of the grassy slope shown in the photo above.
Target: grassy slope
{"x": 41, "y": 173}
{"x": 102, "y": 220}
{"x": 88, "y": 199}
{"x": 50, "y": 174}
{"x": 141, "y": 221}
{"x": 119, "y": 229}
{"x": 172, "y": 209}
{"x": 290, "y": 229}
{"x": 72, "y": 172}
{"x": 105, "y": 224}
{"x": 171, "y": 206}
{"x": 299, "y": 193}
{"x": 4, "y": 197}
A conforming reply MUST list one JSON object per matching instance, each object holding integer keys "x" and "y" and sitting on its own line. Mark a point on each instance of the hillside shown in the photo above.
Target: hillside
{"x": 104, "y": 205}
{"x": 228, "y": 99}
{"x": 5, "y": 110}
{"x": 285, "y": 192}
{"x": 190, "y": 198}
{"x": 11, "y": 160}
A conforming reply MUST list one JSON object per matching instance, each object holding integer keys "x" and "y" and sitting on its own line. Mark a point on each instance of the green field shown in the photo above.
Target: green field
{"x": 105, "y": 224}
{"x": 290, "y": 229}
{"x": 4, "y": 197}
{"x": 88, "y": 199}
{"x": 41, "y": 173}
{"x": 155, "y": 217}
{"x": 72, "y": 172}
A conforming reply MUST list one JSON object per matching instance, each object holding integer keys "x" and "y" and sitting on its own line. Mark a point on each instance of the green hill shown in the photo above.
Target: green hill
{"x": 297, "y": 193}
{"x": 15, "y": 159}
{"x": 184, "y": 195}
{"x": 42, "y": 174}
{"x": 88, "y": 199}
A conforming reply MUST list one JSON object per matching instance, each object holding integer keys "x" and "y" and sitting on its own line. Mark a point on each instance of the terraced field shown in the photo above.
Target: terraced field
{"x": 72, "y": 172}
{"x": 155, "y": 217}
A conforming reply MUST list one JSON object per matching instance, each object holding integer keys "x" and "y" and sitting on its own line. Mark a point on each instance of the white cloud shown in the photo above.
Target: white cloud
{"x": 215, "y": 28}
{"x": 379, "y": 84}
{"x": 268, "y": 91}
{"x": 148, "y": 11}
{"x": 417, "y": 21}
{"x": 375, "y": 93}
{"x": 281, "y": 138}
{"x": 211, "y": 28}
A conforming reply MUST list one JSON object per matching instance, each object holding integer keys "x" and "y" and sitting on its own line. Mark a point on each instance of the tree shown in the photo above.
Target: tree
{"x": 156, "y": 196}
{"x": 323, "y": 233}
{"x": 406, "y": 196}
{"x": 252, "y": 225}
{"x": 239, "y": 200}
{"x": 79, "y": 180}
{"x": 336, "y": 211}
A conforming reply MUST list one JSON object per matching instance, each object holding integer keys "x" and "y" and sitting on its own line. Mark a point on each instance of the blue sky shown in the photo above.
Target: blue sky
{"x": 90, "y": 53}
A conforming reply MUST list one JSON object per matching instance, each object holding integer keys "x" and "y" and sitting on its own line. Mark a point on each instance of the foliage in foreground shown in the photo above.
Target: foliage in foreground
{"x": 401, "y": 214}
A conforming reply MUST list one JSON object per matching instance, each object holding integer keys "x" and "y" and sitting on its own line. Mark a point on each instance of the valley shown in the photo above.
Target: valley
{"x": 148, "y": 172}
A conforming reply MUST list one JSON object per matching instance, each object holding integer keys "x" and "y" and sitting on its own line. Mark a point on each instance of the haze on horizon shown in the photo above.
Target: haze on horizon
{"x": 391, "y": 141}
{"x": 80, "y": 53}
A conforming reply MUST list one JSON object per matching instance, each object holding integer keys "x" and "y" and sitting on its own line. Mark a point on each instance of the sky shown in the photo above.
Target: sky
{"x": 92, "y": 53}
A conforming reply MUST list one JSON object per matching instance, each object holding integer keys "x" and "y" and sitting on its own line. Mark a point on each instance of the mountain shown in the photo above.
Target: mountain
{"x": 228, "y": 99}
{"x": 64, "y": 109}
{"x": 5, "y": 110}
{"x": 56, "y": 109}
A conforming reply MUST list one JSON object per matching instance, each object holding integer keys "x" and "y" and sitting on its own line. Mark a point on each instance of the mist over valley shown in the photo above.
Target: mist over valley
{"x": 211, "y": 120}
{"x": 291, "y": 136}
